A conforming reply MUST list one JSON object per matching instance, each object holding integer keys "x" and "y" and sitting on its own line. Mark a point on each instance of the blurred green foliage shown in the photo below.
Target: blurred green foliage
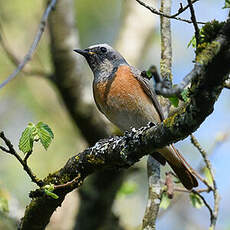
{"x": 127, "y": 188}
{"x": 165, "y": 201}
{"x": 98, "y": 21}
{"x": 196, "y": 201}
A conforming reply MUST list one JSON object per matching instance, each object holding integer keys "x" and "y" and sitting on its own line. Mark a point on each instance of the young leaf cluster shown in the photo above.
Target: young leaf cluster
{"x": 39, "y": 132}
{"x": 48, "y": 189}
{"x": 196, "y": 201}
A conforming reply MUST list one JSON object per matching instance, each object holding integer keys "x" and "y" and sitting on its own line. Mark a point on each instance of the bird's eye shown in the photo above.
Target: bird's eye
{"x": 103, "y": 50}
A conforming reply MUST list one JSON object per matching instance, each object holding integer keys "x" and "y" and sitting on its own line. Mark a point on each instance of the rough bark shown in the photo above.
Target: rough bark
{"x": 154, "y": 197}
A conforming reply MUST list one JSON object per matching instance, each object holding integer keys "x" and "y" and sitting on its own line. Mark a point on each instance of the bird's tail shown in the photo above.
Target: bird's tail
{"x": 179, "y": 166}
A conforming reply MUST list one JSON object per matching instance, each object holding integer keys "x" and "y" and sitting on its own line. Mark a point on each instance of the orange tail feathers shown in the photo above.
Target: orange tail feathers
{"x": 179, "y": 166}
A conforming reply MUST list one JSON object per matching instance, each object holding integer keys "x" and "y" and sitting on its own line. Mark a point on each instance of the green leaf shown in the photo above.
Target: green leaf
{"x": 197, "y": 202}
{"x": 45, "y": 134}
{"x": 208, "y": 176}
{"x": 165, "y": 201}
{"x": 184, "y": 95}
{"x": 192, "y": 42}
{"x": 51, "y": 194}
{"x": 48, "y": 189}
{"x": 27, "y": 138}
{"x": 127, "y": 188}
{"x": 174, "y": 101}
{"x": 227, "y": 4}
{"x": 4, "y": 205}
{"x": 41, "y": 125}
{"x": 41, "y": 132}
{"x": 149, "y": 74}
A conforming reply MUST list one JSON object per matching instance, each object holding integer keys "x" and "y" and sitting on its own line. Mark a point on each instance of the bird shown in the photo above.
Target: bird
{"x": 128, "y": 100}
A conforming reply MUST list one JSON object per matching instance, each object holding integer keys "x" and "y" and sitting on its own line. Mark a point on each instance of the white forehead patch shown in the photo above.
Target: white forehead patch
{"x": 112, "y": 55}
{"x": 101, "y": 45}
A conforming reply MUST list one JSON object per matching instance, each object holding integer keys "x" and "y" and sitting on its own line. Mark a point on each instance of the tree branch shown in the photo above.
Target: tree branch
{"x": 194, "y": 22}
{"x": 214, "y": 213}
{"x": 205, "y": 203}
{"x": 166, "y": 44}
{"x": 15, "y": 60}
{"x": 34, "y": 45}
{"x": 167, "y": 15}
{"x": 203, "y": 60}
{"x": 122, "y": 152}
{"x": 166, "y": 91}
{"x": 23, "y": 162}
{"x": 182, "y": 9}
{"x": 154, "y": 196}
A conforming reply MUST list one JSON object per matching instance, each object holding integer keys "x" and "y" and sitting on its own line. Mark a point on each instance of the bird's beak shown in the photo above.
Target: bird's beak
{"x": 84, "y": 53}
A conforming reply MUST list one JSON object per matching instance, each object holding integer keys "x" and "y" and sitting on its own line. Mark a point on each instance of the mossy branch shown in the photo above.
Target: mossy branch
{"x": 203, "y": 59}
{"x": 122, "y": 152}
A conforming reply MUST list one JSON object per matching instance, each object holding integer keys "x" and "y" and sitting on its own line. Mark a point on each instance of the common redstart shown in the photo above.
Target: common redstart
{"x": 128, "y": 100}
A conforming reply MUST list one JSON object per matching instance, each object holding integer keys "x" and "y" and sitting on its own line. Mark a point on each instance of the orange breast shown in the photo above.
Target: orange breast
{"x": 122, "y": 99}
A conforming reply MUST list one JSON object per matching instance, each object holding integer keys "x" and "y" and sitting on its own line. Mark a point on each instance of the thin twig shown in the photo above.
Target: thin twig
{"x": 14, "y": 59}
{"x": 34, "y": 45}
{"x": 182, "y": 9}
{"x": 201, "y": 178}
{"x": 207, "y": 162}
{"x": 205, "y": 203}
{"x": 4, "y": 149}
{"x": 27, "y": 156}
{"x": 13, "y": 152}
{"x": 165, "y": 15}
{"x": 180, "y": 189}
{"x": 203, "y": 154}
{"x": 77, "y": 180}
{"x": 170, "y": 185}
{"x": 194, "y": 22}
{"x": 216, "y": 196}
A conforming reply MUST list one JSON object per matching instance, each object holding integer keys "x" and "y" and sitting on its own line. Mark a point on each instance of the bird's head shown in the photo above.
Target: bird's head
{"x": 102, "y": 58}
